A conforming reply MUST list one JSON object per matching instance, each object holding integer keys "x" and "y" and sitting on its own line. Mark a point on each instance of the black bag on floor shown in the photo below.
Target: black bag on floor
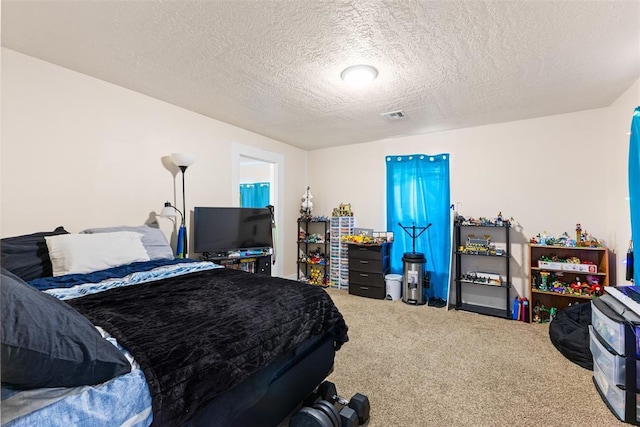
{"x": 569, "y": 333}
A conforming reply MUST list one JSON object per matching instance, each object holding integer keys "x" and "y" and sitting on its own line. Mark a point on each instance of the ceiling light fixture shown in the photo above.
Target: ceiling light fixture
{"x": 359, "y": 75}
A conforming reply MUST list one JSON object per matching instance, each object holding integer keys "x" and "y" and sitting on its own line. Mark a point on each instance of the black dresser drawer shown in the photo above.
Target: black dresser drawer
{"x": 367, "y": 265}
{"x": 367, "y": 279}
{"x": 367, "y": 268}
{"x": 367, "y": 291}
{"x": 365, "y": 252}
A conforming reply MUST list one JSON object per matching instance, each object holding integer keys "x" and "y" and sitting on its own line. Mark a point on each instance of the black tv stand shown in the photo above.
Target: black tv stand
{"x": 254, "y": 261}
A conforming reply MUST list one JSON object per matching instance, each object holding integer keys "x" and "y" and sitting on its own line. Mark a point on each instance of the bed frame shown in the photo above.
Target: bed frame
{"x": 268, "y": 396}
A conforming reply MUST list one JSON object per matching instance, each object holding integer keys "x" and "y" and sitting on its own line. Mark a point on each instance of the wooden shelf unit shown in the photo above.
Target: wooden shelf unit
{"x": 598, "y": 256}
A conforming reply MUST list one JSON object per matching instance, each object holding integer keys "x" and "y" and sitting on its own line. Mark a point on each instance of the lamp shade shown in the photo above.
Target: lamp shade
{"x": 182, "y": 159}
{"x": 168, "y": 212}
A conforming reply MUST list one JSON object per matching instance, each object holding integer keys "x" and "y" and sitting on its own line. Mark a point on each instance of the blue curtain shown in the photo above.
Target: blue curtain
{"x": 418, "y": 194}
{"x": 255, "y": 195}
{"x": 634, "y": 191}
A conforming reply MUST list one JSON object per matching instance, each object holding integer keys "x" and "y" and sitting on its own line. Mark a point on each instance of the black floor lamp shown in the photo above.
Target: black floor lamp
{"x": 169, "y": 211}
{"x": 183, "y": 161}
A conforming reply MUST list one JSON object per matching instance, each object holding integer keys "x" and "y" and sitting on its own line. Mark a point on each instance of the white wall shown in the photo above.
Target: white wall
{"x": 80, "y": 152}
{"x": 548, "y": 174}
{"x": 616, "y": 172}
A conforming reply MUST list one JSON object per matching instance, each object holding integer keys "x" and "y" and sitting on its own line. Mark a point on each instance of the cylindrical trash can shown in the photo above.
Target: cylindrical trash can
{"x": 414, "y": 263}
{"x": 394, "y": 286}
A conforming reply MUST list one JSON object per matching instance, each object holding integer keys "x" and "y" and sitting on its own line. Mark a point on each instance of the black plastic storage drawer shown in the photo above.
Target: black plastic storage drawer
{"x": 368, "y": 265}
{"x": 367, "y": 268}
{"x": 364, "y": 278}
{"x": 365, "y": 252}
{"x": 368, "y": 291}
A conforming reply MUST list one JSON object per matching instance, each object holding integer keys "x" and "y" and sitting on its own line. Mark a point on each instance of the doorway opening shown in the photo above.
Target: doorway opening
{"x": 253, "y": 165}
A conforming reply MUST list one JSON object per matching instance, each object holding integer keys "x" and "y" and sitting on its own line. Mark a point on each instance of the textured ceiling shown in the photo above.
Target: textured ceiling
{"x": 273, "y": 67}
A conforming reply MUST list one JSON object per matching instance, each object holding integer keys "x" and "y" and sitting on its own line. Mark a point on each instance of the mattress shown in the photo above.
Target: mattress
{"x": 138, "y": 398}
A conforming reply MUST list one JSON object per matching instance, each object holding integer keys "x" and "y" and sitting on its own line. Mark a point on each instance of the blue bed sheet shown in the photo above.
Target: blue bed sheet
{"x": 122, "y": 401}
{"x": 86, "y": 285}
{"x": 70, "y": 280}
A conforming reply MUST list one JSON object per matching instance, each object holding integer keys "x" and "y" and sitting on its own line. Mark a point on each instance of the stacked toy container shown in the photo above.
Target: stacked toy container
{"x": 339, "y": 259}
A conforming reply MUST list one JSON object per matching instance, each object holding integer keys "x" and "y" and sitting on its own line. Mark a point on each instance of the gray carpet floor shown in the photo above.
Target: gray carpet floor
{"x": 427, "y": 366}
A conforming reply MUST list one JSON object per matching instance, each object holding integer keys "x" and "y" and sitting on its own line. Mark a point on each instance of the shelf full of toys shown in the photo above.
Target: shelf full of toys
{"x": 313, "y": 241}
{"x": 564, "y": 271}
{"x": 495, "y": 272}
{"x": 342, "y": 224}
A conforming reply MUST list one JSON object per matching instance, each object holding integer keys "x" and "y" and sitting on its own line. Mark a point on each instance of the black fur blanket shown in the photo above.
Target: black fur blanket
{"x": 197, "y": 335}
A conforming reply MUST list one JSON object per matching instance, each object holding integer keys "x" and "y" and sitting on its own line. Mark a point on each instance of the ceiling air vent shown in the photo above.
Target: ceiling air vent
{"x": 394, "y": 115}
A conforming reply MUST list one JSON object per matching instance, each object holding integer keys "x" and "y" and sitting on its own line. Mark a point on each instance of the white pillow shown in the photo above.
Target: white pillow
{"x": 153, "y": 239}
{"x": 85, "y": 253}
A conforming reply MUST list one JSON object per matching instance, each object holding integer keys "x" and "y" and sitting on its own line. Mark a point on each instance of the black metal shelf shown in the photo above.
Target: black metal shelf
{"x": 482, "y": 309}
{"x": 313, "y": 263}
{"x": 483, "y": 255}
{"x": 505, "y": 225}
{"x": 320, "y": 226}
{"x": 504, "y": 285}
{"x": 502, "y": 266}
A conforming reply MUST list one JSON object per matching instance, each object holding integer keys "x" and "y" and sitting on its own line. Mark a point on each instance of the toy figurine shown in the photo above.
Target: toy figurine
{"x": 576, "y": 287}
{"x": 316, "y": 257}
{"x": 543, "y": 238}
{"x": 344, "y": 209}
{"x": 578, "y": 234}
{"x": 558, "y": 287}
{"x": 316, "y": 276}
{"x": 307, "y": 204}
{"x": 595, "y": 288}
{"x": 544, "y": 285}
{"x": 536, "y": 313}
{"x": 315, "y": 238}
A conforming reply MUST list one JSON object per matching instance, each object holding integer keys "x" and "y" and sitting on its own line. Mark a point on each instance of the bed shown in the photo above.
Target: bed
{"x": 152, "y": 340}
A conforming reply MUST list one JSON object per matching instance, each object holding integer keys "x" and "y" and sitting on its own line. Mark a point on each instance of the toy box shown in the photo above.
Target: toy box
{"x": 568, "y": 266}
{"x": 582, "y": 268}
{"x": 551, "y": 265}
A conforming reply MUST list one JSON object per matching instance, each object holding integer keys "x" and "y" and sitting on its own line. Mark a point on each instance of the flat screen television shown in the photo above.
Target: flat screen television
{"x": 225, "y": 229}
